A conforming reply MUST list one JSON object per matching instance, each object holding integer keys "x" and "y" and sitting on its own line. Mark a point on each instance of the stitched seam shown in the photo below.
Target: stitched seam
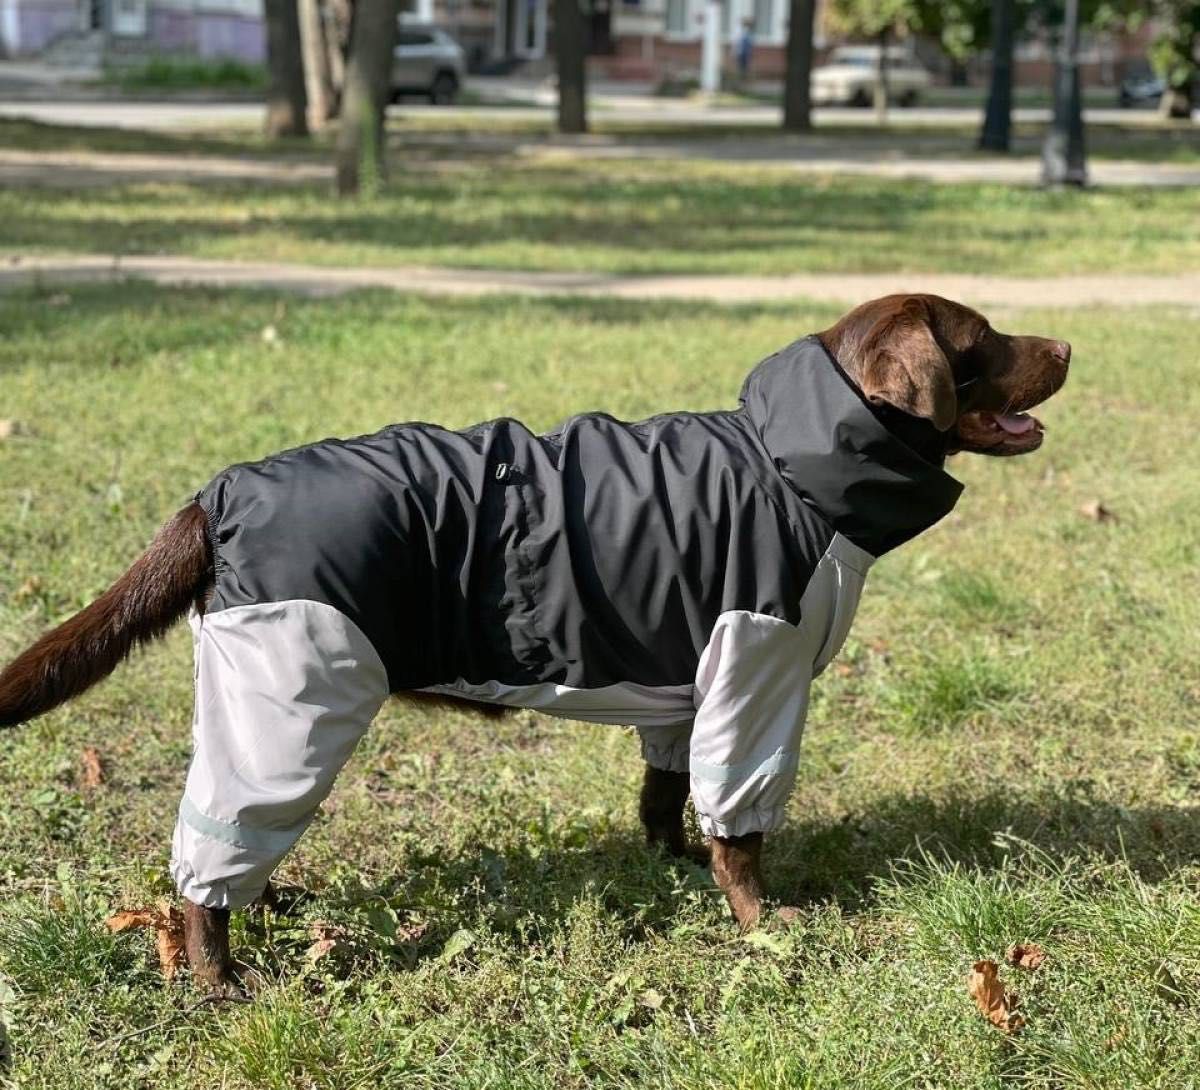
{"x": 778, "y": 764}
{"x": 234, "y": 834}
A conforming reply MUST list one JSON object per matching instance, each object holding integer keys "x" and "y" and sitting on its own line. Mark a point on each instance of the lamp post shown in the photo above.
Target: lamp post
{"x": 1063, "y": 159}
{"x": 710, "y": 58}
{"x": 997, "y": 121}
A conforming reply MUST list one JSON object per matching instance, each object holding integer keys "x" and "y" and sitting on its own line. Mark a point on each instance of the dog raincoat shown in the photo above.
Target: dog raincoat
{"x": 688, "y": 575}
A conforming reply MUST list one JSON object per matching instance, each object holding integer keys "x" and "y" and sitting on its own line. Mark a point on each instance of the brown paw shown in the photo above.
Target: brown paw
{"x": 787, "y": 914}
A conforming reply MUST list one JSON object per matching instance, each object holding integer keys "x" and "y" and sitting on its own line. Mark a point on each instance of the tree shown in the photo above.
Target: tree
{"x": 360, "y": 144}
{"x": 570, "y": 49}
{"x": 318, "y": 80}
{"x": 1174, "y": 56}
{"x": 880, "y": 20}
{"x": 996, "y": 134}
{"x": 286, "y": 99}
{"x": 797, "y": 83}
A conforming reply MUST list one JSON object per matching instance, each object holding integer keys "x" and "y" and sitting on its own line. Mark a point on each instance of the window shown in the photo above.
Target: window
{"x": 677, "y": 17}
{"x": 764, "y": 18}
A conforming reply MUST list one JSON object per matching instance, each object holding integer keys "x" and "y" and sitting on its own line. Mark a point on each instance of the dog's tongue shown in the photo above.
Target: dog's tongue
{"x": 1015, "y": 423}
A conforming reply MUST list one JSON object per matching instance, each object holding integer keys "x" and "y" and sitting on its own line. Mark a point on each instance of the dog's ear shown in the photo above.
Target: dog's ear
{"x": 903, "y": 365}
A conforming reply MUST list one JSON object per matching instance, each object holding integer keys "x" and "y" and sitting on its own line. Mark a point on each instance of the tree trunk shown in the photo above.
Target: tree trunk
{"x": 317, "y": 80}
{"x": 570, "y": 48}
{"x": 360, "y": 145}
{"x": 881, "y": 78}
{"x": 996, "y": 134}
{"x": 286, "y": 100}
{"x": 797, "y": 83}
{"x": 1175, "y": 55}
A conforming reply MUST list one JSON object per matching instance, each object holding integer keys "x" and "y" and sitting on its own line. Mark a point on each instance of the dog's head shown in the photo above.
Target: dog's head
{"x": 936, "y": 359}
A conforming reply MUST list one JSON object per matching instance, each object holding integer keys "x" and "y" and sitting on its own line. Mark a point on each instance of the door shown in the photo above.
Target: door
{"x": 129, "y": 18}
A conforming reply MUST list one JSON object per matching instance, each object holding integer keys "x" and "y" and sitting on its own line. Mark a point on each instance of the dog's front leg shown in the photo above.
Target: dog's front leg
{"x": 664, "y": 795}
{"x": 206, "y": 936}
{"x": 737, "y": 870}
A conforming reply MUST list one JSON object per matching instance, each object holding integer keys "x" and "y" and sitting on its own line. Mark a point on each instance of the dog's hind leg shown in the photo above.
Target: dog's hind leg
{"x": 284, "y": 692}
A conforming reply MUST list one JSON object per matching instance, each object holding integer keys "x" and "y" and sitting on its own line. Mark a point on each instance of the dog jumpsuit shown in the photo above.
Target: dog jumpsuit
{"x": 687, "y": 575}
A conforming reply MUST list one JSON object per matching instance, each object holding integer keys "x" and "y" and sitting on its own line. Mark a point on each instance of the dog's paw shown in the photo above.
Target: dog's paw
{"x": 787, "y": 914}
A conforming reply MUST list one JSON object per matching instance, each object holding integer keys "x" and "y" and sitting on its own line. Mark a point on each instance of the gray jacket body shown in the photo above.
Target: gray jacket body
{"x": 687, "y": 574}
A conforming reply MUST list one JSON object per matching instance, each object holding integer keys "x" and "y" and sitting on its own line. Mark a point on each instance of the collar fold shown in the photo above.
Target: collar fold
{"x": 835, "y": 453}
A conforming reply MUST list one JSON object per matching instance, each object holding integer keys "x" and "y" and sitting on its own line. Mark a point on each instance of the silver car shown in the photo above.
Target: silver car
{"x": 427, "y": 61}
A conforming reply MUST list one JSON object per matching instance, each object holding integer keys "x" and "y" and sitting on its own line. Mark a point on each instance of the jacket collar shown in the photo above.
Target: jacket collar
{"x": 837, "y": 455}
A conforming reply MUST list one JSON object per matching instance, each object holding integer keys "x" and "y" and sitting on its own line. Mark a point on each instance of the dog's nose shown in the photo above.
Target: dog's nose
{"x": 1062, "y": 350}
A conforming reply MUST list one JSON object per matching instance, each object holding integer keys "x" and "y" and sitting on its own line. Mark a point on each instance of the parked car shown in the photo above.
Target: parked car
{"x": 848, "y": 79}
{"x": 427, "y": 61}
{"x": 1143, "y": 88}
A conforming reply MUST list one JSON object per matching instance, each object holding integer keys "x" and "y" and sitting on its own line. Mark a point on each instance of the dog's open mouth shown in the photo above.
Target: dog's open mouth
{"x": 1000, "y": 433}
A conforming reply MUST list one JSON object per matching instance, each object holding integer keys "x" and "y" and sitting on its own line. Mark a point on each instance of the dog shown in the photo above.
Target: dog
{"x": 688, "y": 575}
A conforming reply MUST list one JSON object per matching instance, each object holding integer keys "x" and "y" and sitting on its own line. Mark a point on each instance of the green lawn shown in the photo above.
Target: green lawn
{"x": 1007, "y": 749}
{"x": 624, "y": 217}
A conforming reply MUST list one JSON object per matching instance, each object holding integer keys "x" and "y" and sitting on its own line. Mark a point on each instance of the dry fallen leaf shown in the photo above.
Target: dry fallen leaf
{"x": 8, "y": 428}
{"x": 1097, "y": 512}
{"x": 167, "y": 922}
{"x": 326, "y": 937}
{"x": 994, "y": 1003}
{"x": 91, "y": 771}
{"x": 1025, "y": 955}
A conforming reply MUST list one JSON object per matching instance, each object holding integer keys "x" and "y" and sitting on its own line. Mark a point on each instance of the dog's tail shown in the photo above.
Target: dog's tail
{"x": 154, "y": 593}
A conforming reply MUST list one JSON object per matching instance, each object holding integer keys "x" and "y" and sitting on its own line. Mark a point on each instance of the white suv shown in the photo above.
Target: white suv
{"x": 849, "y": 77}
{"x": 427, "y": 61}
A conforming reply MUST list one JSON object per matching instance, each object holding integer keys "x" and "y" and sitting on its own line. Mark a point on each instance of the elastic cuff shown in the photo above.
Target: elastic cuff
{"x": 667, "y": 748}
{"x": 214, "y": 895}
{"x": 755, "y": 819}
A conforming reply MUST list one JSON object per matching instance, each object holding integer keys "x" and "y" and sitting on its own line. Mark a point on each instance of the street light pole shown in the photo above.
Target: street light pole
{"x": 710, "y": 58}
{"x": 1063, "y": 158}
{"x": 997, "y": 121}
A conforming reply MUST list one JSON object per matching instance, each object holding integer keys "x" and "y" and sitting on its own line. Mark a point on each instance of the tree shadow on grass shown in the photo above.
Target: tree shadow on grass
{"x": 807, "y": 863}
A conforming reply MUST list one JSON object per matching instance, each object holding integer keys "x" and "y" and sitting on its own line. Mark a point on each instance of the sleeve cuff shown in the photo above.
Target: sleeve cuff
{"x": 754, "y": 819}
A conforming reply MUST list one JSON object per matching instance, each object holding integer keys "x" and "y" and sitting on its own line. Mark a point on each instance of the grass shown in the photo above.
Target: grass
{"x": 188, "y": 73}
{"x": 1006, "y": 750}
{"x": 646, "y": 217}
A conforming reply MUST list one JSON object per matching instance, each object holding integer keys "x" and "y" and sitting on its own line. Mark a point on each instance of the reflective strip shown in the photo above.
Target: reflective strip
{"x": 779, "y": 764}
{"x": 258, "y": 840}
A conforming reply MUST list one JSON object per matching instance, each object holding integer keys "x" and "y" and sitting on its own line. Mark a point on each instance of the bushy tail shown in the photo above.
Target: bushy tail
{"x": 155, "y": 592}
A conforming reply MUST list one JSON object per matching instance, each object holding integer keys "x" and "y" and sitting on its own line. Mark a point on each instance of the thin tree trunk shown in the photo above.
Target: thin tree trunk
{"x": 570, "y": 48}
{"x": 360, "y": 145}
{"x": 881, "y": 78}
{"x": 337, "y": 18}
{"x": 286, "y": 100}
{"x": 797, "y": 82}
{"x": 1177, "y": 47}
{"x": 317, "y": 81}
{"x": 996, "y": 134}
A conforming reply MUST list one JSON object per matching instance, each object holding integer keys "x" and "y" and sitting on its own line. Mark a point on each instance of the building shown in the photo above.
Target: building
{"x": 202, "y": 28}
{"x": 630, "y": 39}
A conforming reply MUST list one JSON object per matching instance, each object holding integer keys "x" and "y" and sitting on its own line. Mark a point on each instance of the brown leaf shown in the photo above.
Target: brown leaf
{"x": 91, "y": 771}
{"x": 130, "y": 917}
{"x": 31, "y": 585}
{"x": 1025, "y": 955}
{"x": 327, "y": 937}
{"x": 172, "y": 950}
{"x": 994, "y": 1003}
{"x": 1097, "y": 512}
{"x": 167, "y": 922}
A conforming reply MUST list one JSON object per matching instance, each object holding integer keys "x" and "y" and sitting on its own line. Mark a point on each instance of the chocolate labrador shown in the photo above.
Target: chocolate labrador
{"x": 688, "y": 575}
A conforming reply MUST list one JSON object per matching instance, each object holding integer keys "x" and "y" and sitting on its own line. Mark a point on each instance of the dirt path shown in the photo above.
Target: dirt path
{"x": 1069, "y": 291}
{"x": 81, "y": 169}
